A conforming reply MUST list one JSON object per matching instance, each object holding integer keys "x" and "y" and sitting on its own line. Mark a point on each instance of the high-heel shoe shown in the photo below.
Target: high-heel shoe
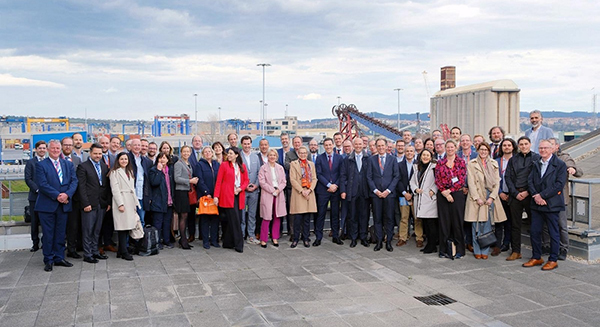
{"x": 294, "y": 244}
{"x": 275, "y": 244}
{"x": 263, "y": 245}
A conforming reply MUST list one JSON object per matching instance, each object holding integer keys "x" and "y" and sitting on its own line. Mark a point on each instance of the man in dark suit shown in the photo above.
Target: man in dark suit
{"x": 114, "y": 149}
{"x": 496, "y": 135}
{"x": 327, "y": 191}
{"x": 94, "y": 198}
{"x": 406, "y": 171}
{"x": 313, "y": 148}
{"x": 141, "y": 166}
{"x": 382, "y": 177}
{"x": 40, "y": 152}
{"x": 57, "y": 184}
{"x": 192, "y": 218}
{"x": 284, "y": 138}
{"x": 546, "y": 182}
{"x": 105, "y": 240}
{"x": 74, "y": 222}
{"x": 354, "y": 191}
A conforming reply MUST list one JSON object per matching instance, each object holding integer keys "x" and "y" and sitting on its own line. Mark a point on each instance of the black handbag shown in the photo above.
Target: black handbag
{"x": 486, "y": 239}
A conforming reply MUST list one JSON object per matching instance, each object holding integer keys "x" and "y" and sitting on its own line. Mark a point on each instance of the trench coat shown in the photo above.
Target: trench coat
{"x": 298, "y": 204}
{"x": 476, "y": 182}
{"x": 265, "y": 180}
{"x": 123, "y": 193}
{"x": 424, "y": 206}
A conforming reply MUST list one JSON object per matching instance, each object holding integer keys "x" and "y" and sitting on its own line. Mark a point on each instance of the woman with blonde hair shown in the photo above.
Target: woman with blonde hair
{"x": 303, "y": 203}
{"x": 271, "y": 178}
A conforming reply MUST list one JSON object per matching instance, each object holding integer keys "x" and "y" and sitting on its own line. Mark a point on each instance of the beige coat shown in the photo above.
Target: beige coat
{"x": 476, "y": 182}
{"x": 123, "y": 192}
{"x": 299, "y": 204}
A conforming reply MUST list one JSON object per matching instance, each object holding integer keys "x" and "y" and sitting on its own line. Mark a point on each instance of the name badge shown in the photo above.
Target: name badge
{"x": 454, "y": 180}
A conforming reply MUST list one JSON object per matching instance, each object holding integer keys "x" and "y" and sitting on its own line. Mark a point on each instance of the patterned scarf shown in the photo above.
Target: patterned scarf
{"x": 306, "y": 173}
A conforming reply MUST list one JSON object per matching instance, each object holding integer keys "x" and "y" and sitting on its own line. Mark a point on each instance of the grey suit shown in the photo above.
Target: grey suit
{"x": 253, "y": 167}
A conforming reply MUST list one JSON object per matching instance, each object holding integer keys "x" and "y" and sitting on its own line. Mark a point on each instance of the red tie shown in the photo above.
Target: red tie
{"x": 330, "y": 164}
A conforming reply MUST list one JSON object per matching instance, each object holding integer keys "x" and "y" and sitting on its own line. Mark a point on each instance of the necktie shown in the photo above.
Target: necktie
{"x": 359, "y": 162}
{"x": 330, "y": 163}
{"x": 58, "y": 170}
{"x": 314, "y": 157}
{"x": 381, "y": 163}
{"x": 107, "y": 160}
{"x": 197, "y": 155}
{"x": 97, "y": 166}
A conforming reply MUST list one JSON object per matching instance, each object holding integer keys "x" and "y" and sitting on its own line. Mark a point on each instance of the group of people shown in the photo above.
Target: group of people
{"x": 454, "y": 192}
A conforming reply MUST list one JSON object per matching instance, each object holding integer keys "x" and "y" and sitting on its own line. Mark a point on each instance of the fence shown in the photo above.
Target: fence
{"x": 13, "y": 203}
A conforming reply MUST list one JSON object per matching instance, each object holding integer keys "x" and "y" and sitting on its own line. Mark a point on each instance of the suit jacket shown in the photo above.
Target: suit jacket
{"x": 147, "y": 192}
{"x": 108, "y": 159}
{"x": 543, "y": 134}
{"x": 160, "y": 194}
{"x": 30, "y": 178}
{"x": 193, "y": 160}
{"x": 550, "y": 186}
{"x": 281, "y": 160}
{"x": 404, "y": 180}
{"x": 254, "y": 167}
{"x": 90, "y": 192}
{"x": 50, "y": 185}
{"x": 260, "y": 159}
{"x": 353, "y": 182}
{"x": 289, "y": 157}
{"x": 328, "y": 176}
{"x": 84, "y": 156}
{"x": 386, "y": 181}
{"x": 74, "y": 159}
{"x": 207, "y": 176}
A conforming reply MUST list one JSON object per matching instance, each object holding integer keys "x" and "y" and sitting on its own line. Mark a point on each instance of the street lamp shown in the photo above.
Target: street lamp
{"x": 262, "y": 114}
{"x": 398, "y": 90}
{"x": 196, "y": 110}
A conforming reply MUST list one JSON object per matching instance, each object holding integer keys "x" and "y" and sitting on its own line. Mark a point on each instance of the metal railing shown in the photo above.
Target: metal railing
{"x": 12, "y": 207}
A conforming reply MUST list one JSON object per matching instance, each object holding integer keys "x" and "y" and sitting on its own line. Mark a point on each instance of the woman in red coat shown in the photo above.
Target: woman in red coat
{"x": 232, "y": 180}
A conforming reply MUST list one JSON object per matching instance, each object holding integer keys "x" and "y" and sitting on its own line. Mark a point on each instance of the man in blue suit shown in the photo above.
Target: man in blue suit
{"x": 252, "y": 164}
{"x": 57, "y": 184}
{"x": 546, "y": 182}
{"x": 327, "y": 191}
{"x": 382, "y": 177}
{"x": 353, "y": 188}
{"x": 40, "y": 152}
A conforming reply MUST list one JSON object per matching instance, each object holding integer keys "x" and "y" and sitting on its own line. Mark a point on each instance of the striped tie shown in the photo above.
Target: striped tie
{"x": 58, "y": 170}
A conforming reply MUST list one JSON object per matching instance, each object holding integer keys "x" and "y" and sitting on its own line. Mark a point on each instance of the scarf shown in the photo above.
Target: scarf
{"x": 421, "y": 173}
{"x": 491, "y": 177}
{"x": 306, "y": 173}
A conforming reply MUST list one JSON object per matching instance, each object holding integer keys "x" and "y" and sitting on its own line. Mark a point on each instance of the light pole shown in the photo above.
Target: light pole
{"x": 286, "y": 110}
{"x": 196, "y": 111}
{"x": 220, "y": 133}
{"x": 339, "y": 98}
{"x": 262, "y": 113}
{"x": 398, "y": 90}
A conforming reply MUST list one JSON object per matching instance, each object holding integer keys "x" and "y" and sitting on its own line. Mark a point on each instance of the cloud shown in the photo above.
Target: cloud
{"x": 310, "y": 96}
{"x": 9, "y": 80}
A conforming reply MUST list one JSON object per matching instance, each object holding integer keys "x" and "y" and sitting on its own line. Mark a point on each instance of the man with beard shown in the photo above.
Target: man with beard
{"x": 537, "y": 132}
{"x": 496, "y": 136}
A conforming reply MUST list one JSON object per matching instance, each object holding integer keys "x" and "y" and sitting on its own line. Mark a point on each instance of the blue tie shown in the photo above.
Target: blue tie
{"x": 58, "y": 170}
{"x": 97, "y": 166}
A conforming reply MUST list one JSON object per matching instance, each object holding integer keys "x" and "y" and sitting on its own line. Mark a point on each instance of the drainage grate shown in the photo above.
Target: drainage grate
{"x": 435, "y": 299}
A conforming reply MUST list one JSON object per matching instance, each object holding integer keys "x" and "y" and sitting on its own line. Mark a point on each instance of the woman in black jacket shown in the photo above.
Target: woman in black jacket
{"x": 161, "y": 204}
{"x": 206, "y": 171}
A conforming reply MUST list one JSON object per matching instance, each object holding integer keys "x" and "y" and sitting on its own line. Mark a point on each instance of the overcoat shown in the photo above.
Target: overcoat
{"x": 265, "y": 180}
{"x": 476, "y": 182}
{"x": 299, "y": 204}
{"x": 425, "y": 206}
{"x": 123, "y": 193}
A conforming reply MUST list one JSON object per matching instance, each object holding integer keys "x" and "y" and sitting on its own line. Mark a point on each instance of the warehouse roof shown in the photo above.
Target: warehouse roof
{"x": 501, "y": 85}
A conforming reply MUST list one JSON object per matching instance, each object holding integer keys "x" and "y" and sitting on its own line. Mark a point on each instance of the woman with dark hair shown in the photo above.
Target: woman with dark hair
{"x": 508, "y": 147}
{"x": 230, "y": 196}
{"x": 183, "y": 182}
{"x": 483, "y": 204}
{"x": 425, "y": 198}
{"x": 161, "y": 205}
{"x": 450, "y": 179}
{"x": 167, "y": 149}
{"x": 124, "y": 201}
{"x": 429, "y": 145}
{"x": 207, "y": 171}
{"x": 218, "y": 148}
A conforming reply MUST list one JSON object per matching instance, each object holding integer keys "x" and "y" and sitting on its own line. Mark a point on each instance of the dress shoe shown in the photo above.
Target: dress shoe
{"x": 364, "y": 243}
{"x": 353, "y": 243}
{"x": 63, "y": 263}
{"x": 127, "y": 257}
{"x": 505, "y": 247}
{"x": 478, "y": 256}
{"x": 191, "y": 239}
{"x": 239, "y": 250}
{"x": 550, "y": 265}
{"x": 206, "y": 246}
{"x": 378, "y": 246}
{"x": 306, "y": 244}
{"x": 389, "y": 247}
{"x": 428, "y": 251}
{"x": 291, "y": 237}
{"x": 90, "y": 260}
{"x": 110, "y": 248}
{"x": 295, "y": 244}
{"x": 48, "y": 267}
{"x": 73, "y": 255}
{"x": 330, "y": 233}
{"x": 533, "y": 262}
{"x": 317, "y": 243}
{"x": 496, "y": 251}
{"x": 34, "y": 248}
{"x": 401, "y": 243}
{"x": 337, "y": 241}
{"x": 101, "y": 250}
{"x": 215, "y": 245}
{"x": 419, "y": 244}
{"x": 514, "y": 256}
{"x": 484, "y": 256}
{"x": 343, "y": 237}
{"x": 562, "y": 255}
{"x": 100, "y": 256}
{"x": 470, "y": 248}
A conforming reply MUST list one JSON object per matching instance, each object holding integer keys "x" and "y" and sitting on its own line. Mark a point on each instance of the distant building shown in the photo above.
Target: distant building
{"x": 476, "y": 108}
{"x": 288, "y": 124}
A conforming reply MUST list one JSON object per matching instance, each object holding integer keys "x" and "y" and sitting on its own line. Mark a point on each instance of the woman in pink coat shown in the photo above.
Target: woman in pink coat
{"x": 271, "y": 178}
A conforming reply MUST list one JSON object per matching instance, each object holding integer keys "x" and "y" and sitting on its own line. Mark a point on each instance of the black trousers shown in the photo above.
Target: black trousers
{"x": 74, "y": 242}
{"x": 191, "y": 222}
{"x": 432, "y": 231}
{"x": 383, "y": 216}
{"x": 357, "y": 218}
{"x": 35, "y": 224}
{"x": 302, "y": 224}
{"x": 108, "y": 229}
{"x": 451, "y": 217}
{"x": 122, "y": 235}
{"x": 210, "y": 229}
{"x": 516, "y": 213}
{"x": 232, "y": 234}
{"x": 502, "y": 230}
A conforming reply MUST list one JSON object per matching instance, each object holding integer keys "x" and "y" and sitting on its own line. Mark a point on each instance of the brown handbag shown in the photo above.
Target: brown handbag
{"x": 192, "y": 194}
{"x": 207, "y": 206}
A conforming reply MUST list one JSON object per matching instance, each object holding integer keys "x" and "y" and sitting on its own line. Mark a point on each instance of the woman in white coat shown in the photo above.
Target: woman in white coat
{"x": 124, "y": 201}
{"x": 425, "y": 199}
{"x": 271, "y": 178}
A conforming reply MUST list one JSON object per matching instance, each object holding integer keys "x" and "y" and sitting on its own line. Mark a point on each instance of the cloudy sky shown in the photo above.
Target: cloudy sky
{"x": 136, "y": 59}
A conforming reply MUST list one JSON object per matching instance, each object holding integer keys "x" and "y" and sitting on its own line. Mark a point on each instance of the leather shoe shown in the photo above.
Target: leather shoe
{"x": 127, "y": 257}
{"x": 514, "y": 256}
{"x": 191, "y": 239}
{"x": 110, "y": 248}
{"x": 63, "y": 263}
{"x": 353, "y": 243}
{"x": 100, "y": 256}
{"x": 378, "y": 246}
{"x": 389, "y": 247}
{"x": 90, "y": 260}
{"x": 295, "y": 244}
{"x": 306, "y": 244}
{"x": 478, "y": 256}
{"x": 317, "y": 243}
{"x": 470, "y": 248}
{"x": 101, "y": 250}
{"x": 419, "y": 244}
{"x": 34, "y": 248}
{"x": 364, "y": 243}
{"x": 337, "y": 241}
{"x": 48, "y": 267}
{"x": 550, "y": 265}
{"x": 533, "y": 262}
{"x": 496, "y": 251}
{"x": 401, "y": 243}
{"x": 484, "y": 256}
{"x": 73, "y": 255}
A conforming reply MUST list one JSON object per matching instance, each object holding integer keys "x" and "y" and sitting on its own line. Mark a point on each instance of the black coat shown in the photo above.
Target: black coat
{"x": 147, "y": 164}
{"x": 550, "y": 186}
{"x": 90, "y": 192}
{"x": 207, "y": 177}
{"x": 353, "y": 182}
{"x": 158, "y": 185}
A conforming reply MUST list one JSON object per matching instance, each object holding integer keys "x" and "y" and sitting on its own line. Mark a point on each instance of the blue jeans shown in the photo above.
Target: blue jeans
{"x": 484, "y": 227}
{"x": 141, "y": 213}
